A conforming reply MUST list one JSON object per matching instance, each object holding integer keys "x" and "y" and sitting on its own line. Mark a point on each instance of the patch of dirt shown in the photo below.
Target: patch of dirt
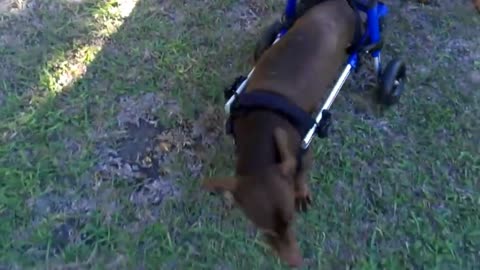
{"x": 147, "y": 151}
{"x": 139, "y": 144}
{"x": 71, "y": 209}
{"x": 147, "y": 155}
{"x": 155, "y": 192}
{"x": 144, "y": 152}
{"x": 134, "y": 109}
{"x": 246, "y": 14}
{"x": 208, "y": 127}
{"x": 55, "y": 202}
{"x": 168, "y": 10}
{"x": 66, "y": 233}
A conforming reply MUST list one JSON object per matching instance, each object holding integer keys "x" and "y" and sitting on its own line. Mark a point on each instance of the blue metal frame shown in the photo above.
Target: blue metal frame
{"x": 372, "y": 33}
{"x": 375, "y": 11}
{"x": 290, "y": 14}
{"x": 372, "y": 36}
{"x": 291, "y": 9}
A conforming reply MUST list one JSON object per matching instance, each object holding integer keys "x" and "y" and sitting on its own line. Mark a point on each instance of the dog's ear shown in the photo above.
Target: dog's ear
{"x": 288, "y": 161}
{"x": 220, "y": 184}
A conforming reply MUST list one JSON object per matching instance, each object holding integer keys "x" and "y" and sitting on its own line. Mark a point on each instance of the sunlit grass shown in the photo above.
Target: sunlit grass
{"x": 66, "y": 67}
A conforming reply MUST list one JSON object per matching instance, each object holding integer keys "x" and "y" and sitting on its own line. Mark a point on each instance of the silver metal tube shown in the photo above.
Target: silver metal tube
{"x": 238, "y": 91}
{"x": 336, "y": 89}
{"x": 276, "y": 40}
{"x": 377, "y": 62}
{"x": 242, "y": 86}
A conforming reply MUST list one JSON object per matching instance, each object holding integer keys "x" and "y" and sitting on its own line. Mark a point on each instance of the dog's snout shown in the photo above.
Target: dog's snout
{"x": 295, "y": 261}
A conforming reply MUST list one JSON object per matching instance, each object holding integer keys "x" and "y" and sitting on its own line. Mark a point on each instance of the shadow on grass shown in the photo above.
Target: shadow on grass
{"x": 38, "y": 41}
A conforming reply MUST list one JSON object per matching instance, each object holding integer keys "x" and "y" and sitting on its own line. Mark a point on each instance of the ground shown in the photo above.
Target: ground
{"x": 111, "y": 113}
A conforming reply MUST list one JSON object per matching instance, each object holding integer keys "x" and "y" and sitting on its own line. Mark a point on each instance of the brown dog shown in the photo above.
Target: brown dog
{"x": 300, "y": 67}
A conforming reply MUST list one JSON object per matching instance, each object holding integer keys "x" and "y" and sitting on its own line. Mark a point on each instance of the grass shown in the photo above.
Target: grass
{"x": 108, "y": 120}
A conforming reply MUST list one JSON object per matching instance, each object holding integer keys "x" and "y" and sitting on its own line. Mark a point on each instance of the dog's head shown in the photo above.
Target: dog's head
{"x": 267, "y": 198}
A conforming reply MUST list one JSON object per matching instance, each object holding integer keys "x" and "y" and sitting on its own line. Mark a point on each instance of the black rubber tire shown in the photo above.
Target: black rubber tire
{"x": 267, "y": 37}
{"x": 392, "y": 82}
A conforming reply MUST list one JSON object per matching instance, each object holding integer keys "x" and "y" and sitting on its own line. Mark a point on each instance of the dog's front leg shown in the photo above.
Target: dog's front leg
{"x": 303, "y": 197}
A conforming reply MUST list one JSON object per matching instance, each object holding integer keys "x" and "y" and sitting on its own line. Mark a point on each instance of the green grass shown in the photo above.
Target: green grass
{"x": 80, "y": 187}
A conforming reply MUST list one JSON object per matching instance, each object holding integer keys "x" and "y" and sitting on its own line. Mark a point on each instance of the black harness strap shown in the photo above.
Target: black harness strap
{"x": 267, "y": 100}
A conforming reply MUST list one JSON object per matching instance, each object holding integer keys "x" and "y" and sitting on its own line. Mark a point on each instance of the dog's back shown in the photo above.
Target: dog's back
{"x": 304, "y": 63}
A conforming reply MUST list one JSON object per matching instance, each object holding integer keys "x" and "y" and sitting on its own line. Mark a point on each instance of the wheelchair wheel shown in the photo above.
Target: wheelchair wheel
{"x": 267, "y": 37}
{"x": 392, "y": 82}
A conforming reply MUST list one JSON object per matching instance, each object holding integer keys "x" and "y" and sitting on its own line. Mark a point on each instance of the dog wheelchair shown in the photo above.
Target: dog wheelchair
{"x": 391, "y": 79}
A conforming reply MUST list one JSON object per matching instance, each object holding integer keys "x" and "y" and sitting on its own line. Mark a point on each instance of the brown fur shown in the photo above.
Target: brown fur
{"x": 301, "y": 67}
{"x": 476, "y": 3}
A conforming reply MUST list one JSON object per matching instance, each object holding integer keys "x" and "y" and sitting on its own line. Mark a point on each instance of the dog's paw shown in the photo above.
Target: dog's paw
{"x": 303, "y": 199}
